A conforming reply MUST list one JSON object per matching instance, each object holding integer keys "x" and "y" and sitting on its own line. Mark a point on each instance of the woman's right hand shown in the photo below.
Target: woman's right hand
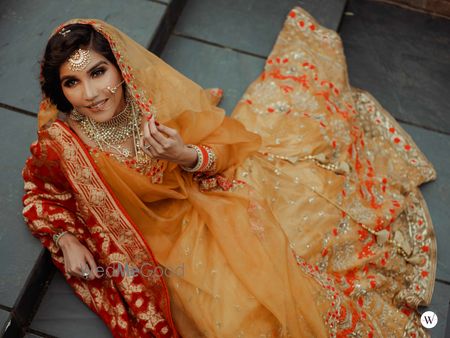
{"x": 77, "y": 258}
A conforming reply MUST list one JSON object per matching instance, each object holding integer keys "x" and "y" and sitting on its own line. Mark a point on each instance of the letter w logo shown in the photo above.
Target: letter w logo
{"x": 429, "y": 319}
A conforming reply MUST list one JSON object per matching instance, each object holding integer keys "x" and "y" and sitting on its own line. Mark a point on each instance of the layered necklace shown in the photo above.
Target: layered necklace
{"x": 114, "y": 132}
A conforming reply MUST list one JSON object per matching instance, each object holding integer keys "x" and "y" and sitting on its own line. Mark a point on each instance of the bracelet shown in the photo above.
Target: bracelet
{"x": 199, "y": 163}
{"x": 211, "y": 165}
{"x": 206, "y": 159}
{"x": 56, "y": 237}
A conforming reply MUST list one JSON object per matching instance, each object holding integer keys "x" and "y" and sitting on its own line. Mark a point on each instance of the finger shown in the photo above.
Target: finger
{"x": 142, "y": 143}
{"x": 93, "y": 265}
{"x": 148, "y": 139}
{"x": 148, "y": 117}
{"x": 169, "y": 131}
{"x": 68, "y": 272}
{"x": 146, "y": 130}
{"x": 145, "y": 119}
{"x": 75, "y": 271}
{"x": 144, "y": 122}
{"x": 149, "y": 146}
{"x": 85, "y": 268}
{"x": 160, "y": 138}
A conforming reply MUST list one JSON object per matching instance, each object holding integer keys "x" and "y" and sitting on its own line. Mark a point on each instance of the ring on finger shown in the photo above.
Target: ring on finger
{"x": 86, "y": 275}
{"x": 147, "y": 147}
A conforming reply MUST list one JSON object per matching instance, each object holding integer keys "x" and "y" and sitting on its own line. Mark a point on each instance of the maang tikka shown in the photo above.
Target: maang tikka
{"x": 79, "y": 59}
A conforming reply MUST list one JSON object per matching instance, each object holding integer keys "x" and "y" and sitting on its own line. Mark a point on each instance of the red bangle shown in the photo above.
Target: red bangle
{"x": 204, "y": 158}
{"x": 211, "y": 163}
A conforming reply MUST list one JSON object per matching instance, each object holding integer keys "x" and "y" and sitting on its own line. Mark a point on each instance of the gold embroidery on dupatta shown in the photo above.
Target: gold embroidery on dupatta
{"x": 84, "y": 293}
{"x": 97, "y": 197}
{"x": 83, "y": 175}
{"x": 63, "y": 215}
{"x": 148, "y": 316}
{"x": 102, "y": 205}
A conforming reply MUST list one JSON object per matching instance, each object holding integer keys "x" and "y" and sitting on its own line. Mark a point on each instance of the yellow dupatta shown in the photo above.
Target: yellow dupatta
{"x": 218, "y": 215}
{"x": 240, "y": 275}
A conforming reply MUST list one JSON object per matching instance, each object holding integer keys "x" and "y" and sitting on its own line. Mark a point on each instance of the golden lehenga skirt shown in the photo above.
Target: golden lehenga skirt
{"x": 324, "y": 232}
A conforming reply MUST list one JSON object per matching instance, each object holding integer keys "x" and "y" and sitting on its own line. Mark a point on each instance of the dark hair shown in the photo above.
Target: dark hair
{"x": 58, "y": 50}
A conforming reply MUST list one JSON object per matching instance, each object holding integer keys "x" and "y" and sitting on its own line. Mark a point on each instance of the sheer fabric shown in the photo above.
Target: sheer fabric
{"x": 311, "y": 226}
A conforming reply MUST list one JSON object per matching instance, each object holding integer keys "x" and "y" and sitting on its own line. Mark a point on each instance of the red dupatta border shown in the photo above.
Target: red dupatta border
{"x": 94, "y": 193}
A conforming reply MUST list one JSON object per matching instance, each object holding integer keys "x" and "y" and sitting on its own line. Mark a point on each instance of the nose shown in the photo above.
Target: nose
{"x": 89, "y": 91}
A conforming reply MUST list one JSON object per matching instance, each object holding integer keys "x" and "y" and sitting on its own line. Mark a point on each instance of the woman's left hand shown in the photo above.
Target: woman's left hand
{"x": 165, "y": 143}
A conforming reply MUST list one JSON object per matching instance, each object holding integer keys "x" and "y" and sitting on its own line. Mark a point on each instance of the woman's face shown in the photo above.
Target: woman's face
{"x": 86, "y": 89}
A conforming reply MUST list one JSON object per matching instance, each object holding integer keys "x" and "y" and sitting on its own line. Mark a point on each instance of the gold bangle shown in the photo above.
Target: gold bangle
{"x": 56, "y": 237}
{"x": 211, "y": 165}
{"x": 200, "y": 159}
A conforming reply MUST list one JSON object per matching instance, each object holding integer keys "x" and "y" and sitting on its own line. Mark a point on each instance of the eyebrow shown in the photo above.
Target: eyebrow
{"x": 89, "y": 70}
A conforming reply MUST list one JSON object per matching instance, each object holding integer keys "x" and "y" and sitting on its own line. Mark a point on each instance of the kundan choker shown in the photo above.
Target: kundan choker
{"x": 112, "y": 132}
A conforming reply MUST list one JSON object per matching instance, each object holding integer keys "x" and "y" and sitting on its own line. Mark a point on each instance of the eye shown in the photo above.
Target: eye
{"x": 70, "y": 83}
{"x": 98, "y": 72}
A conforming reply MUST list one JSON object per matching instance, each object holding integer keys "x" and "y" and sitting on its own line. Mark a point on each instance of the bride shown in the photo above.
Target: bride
{"x": 298, "y": 216}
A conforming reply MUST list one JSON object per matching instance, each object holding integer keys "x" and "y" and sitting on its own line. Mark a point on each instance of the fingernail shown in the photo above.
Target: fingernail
{"x": 157, "y": 123}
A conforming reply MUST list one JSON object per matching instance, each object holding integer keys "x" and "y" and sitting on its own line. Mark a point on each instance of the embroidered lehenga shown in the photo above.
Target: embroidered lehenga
{"x": 311, "y": 225}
